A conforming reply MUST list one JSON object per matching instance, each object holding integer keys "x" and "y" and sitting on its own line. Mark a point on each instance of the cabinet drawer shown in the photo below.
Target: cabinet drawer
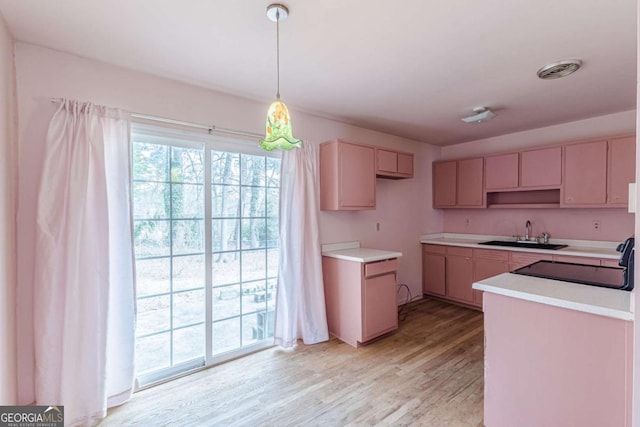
{"x": 491, "y": 254}
{"x": 434, "y": 249}
{"x": 526, "y": 258}
{"x": 380, "y": 267}
{"x": 577, "y": 259}
{"x": 455, "y": 250}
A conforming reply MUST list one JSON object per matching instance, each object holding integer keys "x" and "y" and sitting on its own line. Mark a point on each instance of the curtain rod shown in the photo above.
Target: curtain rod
{"x": 209, "y": 128}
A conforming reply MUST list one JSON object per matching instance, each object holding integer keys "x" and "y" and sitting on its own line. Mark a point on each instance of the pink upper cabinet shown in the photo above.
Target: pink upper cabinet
{"x": 347, "y": 176}
{"x": 444, "y": 184}
{"x": 470, "y": 183}
{"x": 501, "y": 171}
{"x": 585, "y": 174}
{"x": 621, "y": 170}
{"x": 541, "y": 168}
{"x": 393, "y": 164}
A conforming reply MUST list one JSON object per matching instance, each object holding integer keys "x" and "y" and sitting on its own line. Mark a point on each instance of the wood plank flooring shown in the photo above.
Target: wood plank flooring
{"x": 429, "y": 373}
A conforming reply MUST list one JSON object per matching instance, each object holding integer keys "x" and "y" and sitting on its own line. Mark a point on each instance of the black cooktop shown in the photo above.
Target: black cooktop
{"x": 594, "y": 275}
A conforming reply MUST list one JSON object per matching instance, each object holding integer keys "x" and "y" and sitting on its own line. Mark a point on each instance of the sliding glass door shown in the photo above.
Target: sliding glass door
{"x": 206, "y": 245}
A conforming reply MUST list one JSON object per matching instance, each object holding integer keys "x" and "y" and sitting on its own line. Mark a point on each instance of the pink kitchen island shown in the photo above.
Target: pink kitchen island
{"x": 556, "y": 353}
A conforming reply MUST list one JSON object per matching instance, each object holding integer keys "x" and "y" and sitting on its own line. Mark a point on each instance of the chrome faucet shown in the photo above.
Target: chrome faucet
{"x": 527, "y": 230}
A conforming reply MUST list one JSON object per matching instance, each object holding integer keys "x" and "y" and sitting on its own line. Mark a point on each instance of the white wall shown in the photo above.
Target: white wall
{"x": 7, "y": 219}
{"x": 403, "y": 207}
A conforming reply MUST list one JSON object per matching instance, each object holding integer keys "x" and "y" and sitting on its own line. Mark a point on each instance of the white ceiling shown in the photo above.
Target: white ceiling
{"x": 410, "y": 68}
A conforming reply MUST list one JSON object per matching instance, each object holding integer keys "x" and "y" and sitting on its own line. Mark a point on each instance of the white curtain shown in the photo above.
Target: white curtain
{"x": 84, "y": 299}
{"x": 300, "y": 308}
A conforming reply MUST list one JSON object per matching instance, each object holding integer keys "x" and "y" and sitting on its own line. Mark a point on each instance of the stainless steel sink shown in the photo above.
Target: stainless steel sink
{"x": 531, "y": 245}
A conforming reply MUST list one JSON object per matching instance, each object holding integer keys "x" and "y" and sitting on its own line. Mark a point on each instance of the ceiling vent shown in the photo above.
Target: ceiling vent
{"x": 483, "y": 114}
{"x": 555, "y": 70}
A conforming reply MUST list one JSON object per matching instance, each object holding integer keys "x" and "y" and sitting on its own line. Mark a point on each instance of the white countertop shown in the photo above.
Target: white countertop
{"x": 585, "y": 248}
{"x": 351, "y": 251}
{"x": 589, "y": 299}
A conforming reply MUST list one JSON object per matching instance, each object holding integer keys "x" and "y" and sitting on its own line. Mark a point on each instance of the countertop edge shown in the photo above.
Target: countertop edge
{"x": 578, "y": 251}
{"x": 363, "y": 259}
{"x": 608, "y": 304}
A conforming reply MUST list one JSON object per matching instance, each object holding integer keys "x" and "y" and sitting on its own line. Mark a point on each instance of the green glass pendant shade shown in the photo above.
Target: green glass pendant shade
{"x": 278, "y": 130}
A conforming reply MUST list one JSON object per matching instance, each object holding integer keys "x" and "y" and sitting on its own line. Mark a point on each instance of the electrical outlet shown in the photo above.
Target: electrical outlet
{"x": 467, "y": 222}
{"x": 596, "y": 224}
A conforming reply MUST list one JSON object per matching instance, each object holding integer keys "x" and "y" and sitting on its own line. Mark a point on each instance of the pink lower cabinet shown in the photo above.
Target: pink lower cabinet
{"x": 459, "y": 274}
{"x": 551, "y": 366}
{"x": 487, "y": 263}
{"x": 360, "y": 298}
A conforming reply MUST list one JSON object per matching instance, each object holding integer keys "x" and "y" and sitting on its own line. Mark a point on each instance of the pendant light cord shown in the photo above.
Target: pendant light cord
{"x": 278, "y": 52}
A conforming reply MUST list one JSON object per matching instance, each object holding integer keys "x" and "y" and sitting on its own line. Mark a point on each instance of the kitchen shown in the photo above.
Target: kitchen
{"x": 404, "y": 209}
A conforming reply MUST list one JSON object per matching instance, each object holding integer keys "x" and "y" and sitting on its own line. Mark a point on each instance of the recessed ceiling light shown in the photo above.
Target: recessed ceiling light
{"x": 563, "y": 68}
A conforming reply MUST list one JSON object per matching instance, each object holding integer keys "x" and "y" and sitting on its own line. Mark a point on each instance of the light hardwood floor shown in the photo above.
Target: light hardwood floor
{"x": 429, "y": 373}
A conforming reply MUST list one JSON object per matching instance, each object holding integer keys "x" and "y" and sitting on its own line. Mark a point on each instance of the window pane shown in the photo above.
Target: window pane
{"x": 188, "y": 343}
{"x": 152, "y": 276}
{"x": 226, "y": 302}
{"x": 226, "y": 335}
{"x": 253, "y": 265}
{"x": 188, "y": 308}
{"x": 251, "y": 332}
{"x": 273, "y": 198}
{"x": 225, "y": 168}
{"x": 153, "y": 353}
{"x": 154, "y": 315}
{"x": 187, "y": 165}
{"x": 254, "y": 233}
{"x": 255, "y": 296}
{"x": 272, "y": 262}
{"x": 150, "y": 162}
{"x": 272, "y": 287}
{"x": 252, "y": 170}
{"x": 224, "y": 235}
{"x": 151, "y": 238}
{"x": 225, "y": 200}
{"x": 187, "y": 201}
{"x": 226, "y": 268}
{"x": 188, "y": 237}
{"x": 150, "y": 200}
{"x": 273, "y": 232}
{"x": 253, "y": 199}
{"x": 188, "y": 272}
{"x": 273, "y": 172}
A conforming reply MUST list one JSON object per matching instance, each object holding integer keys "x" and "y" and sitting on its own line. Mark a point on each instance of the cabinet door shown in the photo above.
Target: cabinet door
{"x": 585, "y": 174}
{"x": 405, "y": 164}
{"x": 577, "y": 259}
{"x": 501, "y": 171}
{"x": 621, "y": 171}
{"x": 487, "y": 267}
{"x": 387, "y": 161}
{"x": 470, "y": 182}
{"x": 433, "y": 273}
{"x": 444, "y": 184}
{"x": 541, "y": 168}
{"x": 357, "y": 176}
{"x": 380, "y": 309}
{"x": 522, "y": 259}
{"x": 459, "y": 278}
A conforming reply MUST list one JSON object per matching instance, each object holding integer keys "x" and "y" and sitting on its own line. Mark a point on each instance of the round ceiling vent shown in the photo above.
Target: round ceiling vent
{"x": 559, "y": 69}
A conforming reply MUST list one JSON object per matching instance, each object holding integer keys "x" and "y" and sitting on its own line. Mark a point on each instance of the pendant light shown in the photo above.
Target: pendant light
{"x": 278, "y": 132}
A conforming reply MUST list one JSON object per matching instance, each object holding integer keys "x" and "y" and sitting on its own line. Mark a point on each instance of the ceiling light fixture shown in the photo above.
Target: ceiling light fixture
{"x": 483, "y": 114}
{"x": 279, "y": 133}
{"x": 563, "y": 68}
